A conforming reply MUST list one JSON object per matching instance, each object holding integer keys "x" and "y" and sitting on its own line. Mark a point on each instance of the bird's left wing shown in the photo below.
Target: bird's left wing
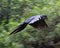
{"x": 22, "y": 26}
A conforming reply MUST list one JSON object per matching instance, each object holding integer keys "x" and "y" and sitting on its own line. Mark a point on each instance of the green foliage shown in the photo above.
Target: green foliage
{"x": 14, "y": 12}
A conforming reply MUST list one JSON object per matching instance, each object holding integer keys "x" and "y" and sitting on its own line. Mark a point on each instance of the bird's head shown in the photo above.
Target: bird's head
{"x": 44, "y": 17}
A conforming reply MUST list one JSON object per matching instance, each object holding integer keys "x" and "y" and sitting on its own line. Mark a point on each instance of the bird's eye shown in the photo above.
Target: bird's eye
{"x": 45, "y": 17}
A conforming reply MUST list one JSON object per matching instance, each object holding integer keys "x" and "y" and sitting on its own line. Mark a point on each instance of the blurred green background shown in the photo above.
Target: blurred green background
{"x": 14, "y": 12}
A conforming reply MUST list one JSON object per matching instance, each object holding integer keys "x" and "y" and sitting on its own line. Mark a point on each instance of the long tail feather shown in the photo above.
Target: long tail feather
{"x": 19, "y": 28}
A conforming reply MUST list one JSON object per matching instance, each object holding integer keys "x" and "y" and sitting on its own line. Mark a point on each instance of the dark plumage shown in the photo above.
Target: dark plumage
{"x": 37, "y": 22}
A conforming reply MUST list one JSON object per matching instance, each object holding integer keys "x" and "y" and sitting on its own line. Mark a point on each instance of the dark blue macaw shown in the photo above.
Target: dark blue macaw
{"x": 37, "y": 22}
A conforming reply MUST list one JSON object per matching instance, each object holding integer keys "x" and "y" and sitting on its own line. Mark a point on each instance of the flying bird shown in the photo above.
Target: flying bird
{"x": 37, "y": 22}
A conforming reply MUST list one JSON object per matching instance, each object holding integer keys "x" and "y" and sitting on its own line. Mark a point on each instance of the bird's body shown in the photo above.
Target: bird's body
{"x": 37, "y": 22}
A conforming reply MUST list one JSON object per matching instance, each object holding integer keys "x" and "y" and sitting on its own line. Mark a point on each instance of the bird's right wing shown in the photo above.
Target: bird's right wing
{"x": 22, "y": 26}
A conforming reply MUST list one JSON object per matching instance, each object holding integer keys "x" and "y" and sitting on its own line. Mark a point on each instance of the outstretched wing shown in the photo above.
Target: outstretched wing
{"x": 22, "y": 26}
